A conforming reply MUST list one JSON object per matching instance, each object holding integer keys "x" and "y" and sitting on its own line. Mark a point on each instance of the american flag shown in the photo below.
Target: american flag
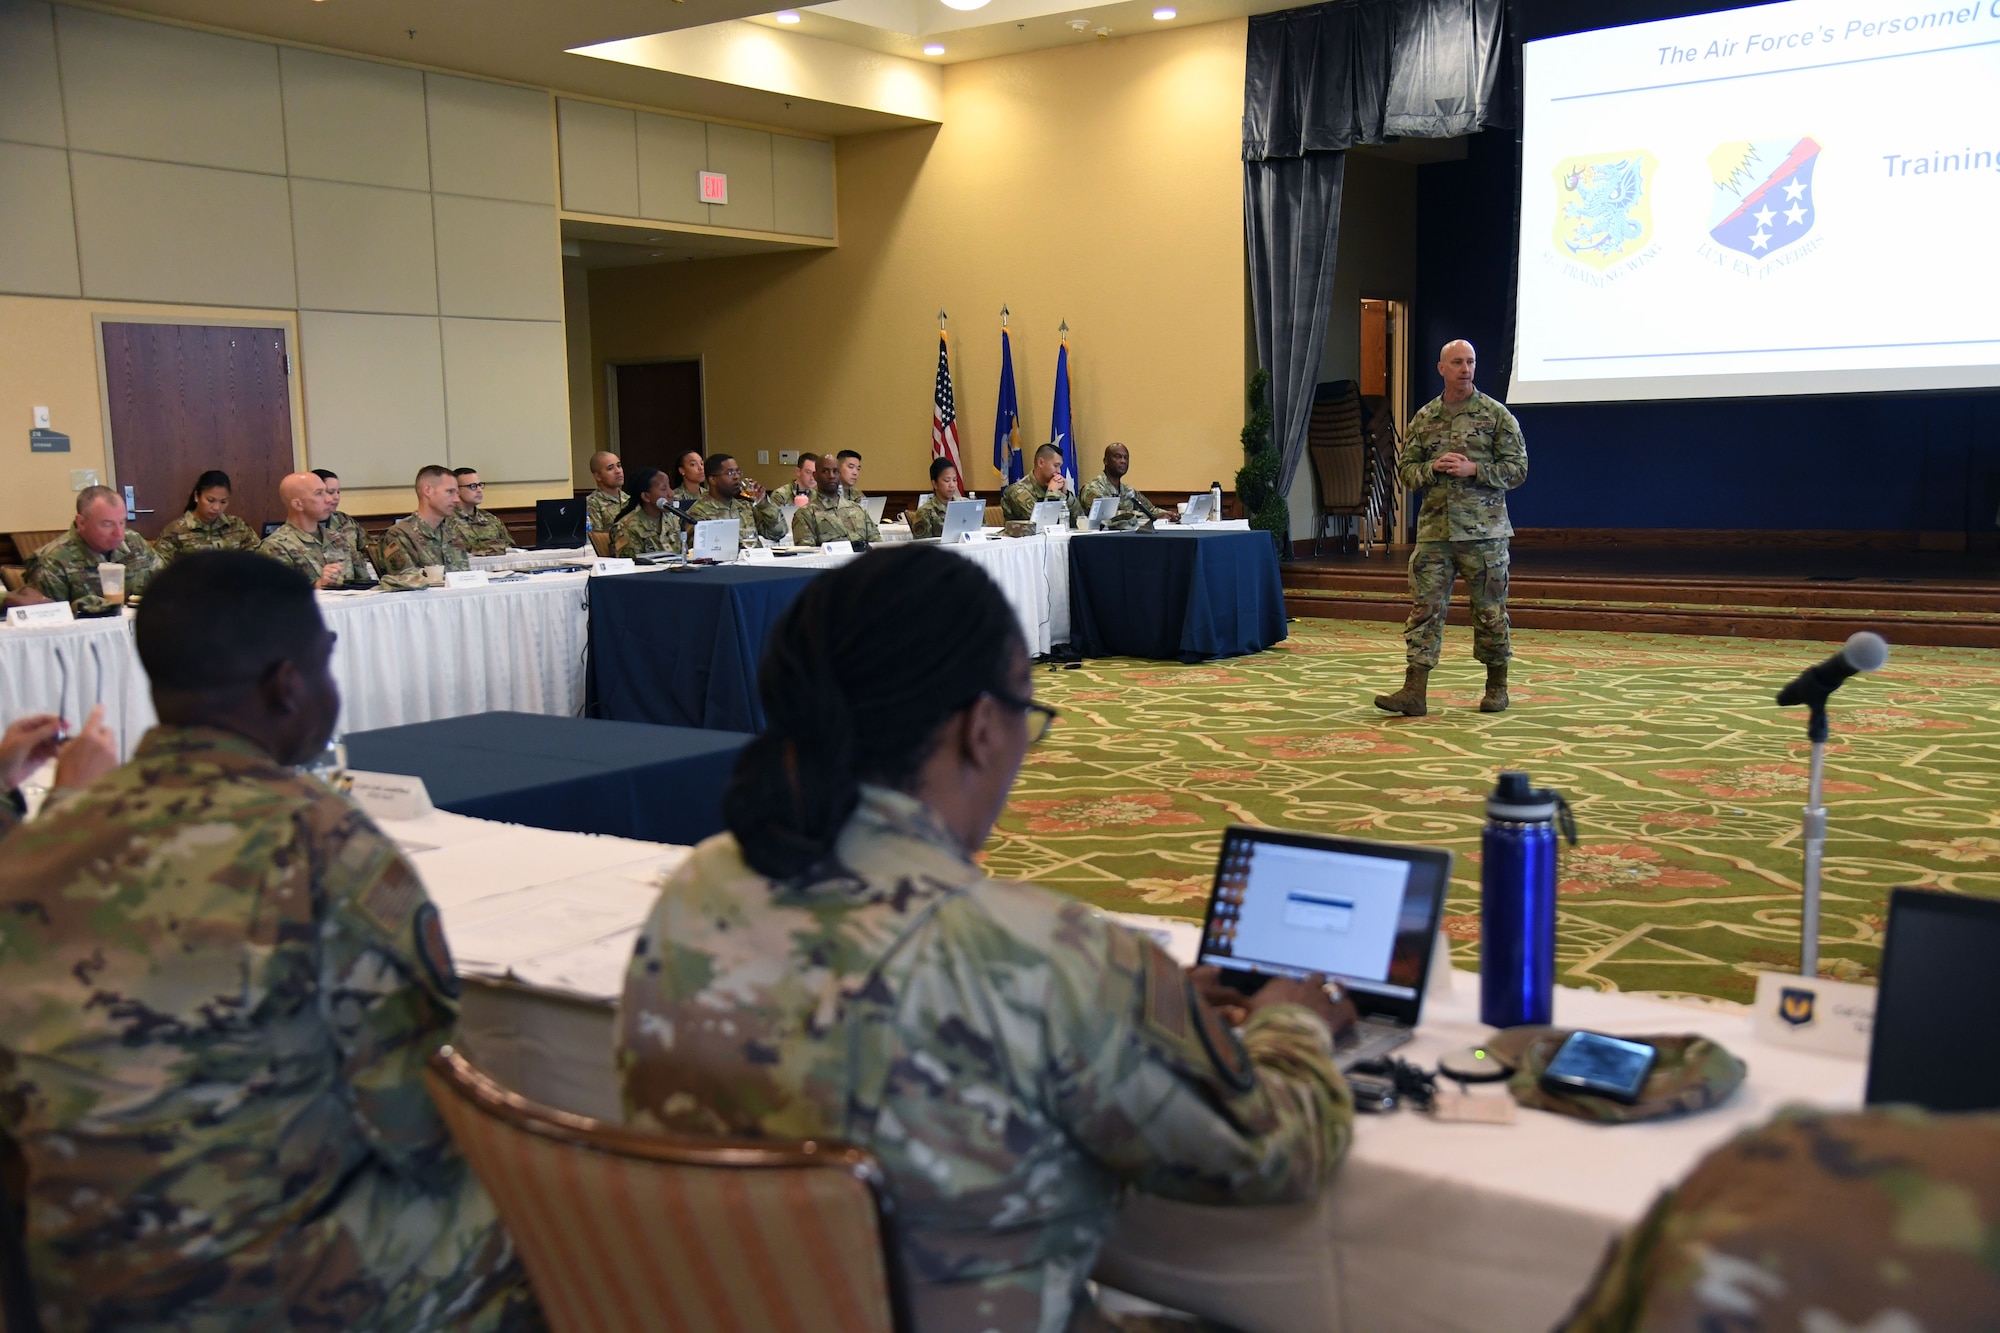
{"x": 944, "y": 415}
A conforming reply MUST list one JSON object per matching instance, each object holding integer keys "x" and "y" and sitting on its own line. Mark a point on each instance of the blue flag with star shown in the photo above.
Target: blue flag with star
{"x": 1007, "y": 417}
{"x": 1059, "y": 427}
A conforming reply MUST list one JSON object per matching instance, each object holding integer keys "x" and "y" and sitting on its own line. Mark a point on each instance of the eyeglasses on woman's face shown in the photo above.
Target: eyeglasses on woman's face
{"x": 1040, "y": 716}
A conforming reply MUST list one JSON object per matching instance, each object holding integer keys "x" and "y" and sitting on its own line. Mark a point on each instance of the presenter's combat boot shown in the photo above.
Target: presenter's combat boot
{"x": 1411, "y": 700}
{"x": 1495, "y": 699}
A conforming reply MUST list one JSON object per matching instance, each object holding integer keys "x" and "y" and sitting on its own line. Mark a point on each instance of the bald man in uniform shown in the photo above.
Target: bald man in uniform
{"x": 305, "y": 540}
{"x": 1464, "y": 452}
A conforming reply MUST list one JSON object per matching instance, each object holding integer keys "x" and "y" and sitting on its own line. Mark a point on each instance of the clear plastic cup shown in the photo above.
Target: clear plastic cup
{"x": 434, "y": 574}
{"x": 111, "y": 582}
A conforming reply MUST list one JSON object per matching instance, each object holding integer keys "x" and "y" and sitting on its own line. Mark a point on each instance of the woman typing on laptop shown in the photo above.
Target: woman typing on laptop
{"x": 837, "y": 964}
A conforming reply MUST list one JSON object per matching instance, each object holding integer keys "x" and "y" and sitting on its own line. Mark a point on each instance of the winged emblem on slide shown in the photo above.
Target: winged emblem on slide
{"x": 1604, "y": 206}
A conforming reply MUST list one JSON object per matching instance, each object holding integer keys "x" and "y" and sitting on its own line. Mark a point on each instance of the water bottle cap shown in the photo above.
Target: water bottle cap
{"x": 1514, "y": 798}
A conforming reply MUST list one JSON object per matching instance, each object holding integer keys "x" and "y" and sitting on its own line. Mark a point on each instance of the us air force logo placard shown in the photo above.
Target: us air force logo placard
{"x": 1795, "y": 1006}
{"x": 1604, "y": 210}
{"x": 1764, "y": 201}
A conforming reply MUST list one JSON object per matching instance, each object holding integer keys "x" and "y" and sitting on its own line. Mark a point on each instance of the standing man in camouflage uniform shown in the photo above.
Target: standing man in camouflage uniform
{"x": 428, "y": 536}
{"x": 480, "y": 530}
{"x": 1135, "y": 512}
{"x": 603, "y": 504}
{"x": 733, "y": 495}
{"x": 306, "y": 542}
{"x": 1046, "y": 482}
{"x": 66, "y": 569}
{"x": 218, "y": 988}
{"x": 1464, "y": 451}
{"x": 830, "y": 516}
{"x": 838, "y": 965}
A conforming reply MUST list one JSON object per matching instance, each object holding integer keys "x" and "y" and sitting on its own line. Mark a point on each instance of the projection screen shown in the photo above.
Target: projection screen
{"x": 1799, "y": 198}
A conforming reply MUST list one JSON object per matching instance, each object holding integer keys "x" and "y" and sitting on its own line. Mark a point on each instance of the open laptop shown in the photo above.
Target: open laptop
{"x": 962, "y": 517}
{"x": 1937, "y": 1015}
{"x": 1050, "y": 515}
{"x": 559, "y": 524}
{"x": 1102, "y": 510}
{"x": 875, "y": 504}
{"x": 1364, "y": 914}
{"x": 716, "y": 539}
{"x": 1197, "y": 508}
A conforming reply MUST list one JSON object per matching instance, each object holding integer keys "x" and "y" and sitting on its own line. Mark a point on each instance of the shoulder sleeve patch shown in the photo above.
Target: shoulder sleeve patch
{"x": 1166, "y": 995}
{"x": 1225, "y": 1048}
{"x": 391, "y": 899}
{"x": 433, "y": 952}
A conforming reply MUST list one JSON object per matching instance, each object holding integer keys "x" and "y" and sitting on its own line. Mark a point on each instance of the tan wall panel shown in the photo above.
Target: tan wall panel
{"x": 374, "y": 396}
{"x": 169, "y": 94}
{"x": 151, "y": 231}
{"x": 582, "y": 400}
{"x": 498, "y": 260}
{"x": 506, "y": 395}
{"x": 490, "y": 140}
{"x": 672, "y": 154}
{"x": 600, "y": 158}
{"x": 745, "y": 157}
{"x": 801, "y": 186}
{"x": 364, "y": 248}
{"x": 354, "y": 120}
{"x": 30, "y": 93}
{"x": 37, "y": 230}
{"x": 1139, "y": 138}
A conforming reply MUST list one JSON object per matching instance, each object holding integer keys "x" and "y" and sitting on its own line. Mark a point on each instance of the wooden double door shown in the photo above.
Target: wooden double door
{"x": 185, "y": 398}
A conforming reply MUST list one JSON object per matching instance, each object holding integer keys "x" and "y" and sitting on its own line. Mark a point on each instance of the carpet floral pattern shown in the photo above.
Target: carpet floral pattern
{"x": 1686, "y": 778}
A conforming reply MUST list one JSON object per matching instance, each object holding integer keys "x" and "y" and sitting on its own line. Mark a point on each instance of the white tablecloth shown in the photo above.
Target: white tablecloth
{"x": 1428, "y": 1226}
{"x": 402, "y": 657}
{"x": 517, "y": 559}
{"x": 447, "y": 652}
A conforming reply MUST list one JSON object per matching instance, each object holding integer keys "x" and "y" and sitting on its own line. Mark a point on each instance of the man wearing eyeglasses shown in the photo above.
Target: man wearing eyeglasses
{"x": 481, "y": 529}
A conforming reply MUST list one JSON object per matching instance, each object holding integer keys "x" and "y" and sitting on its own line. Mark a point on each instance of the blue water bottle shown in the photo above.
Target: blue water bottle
{"x": 1517, "y": 902}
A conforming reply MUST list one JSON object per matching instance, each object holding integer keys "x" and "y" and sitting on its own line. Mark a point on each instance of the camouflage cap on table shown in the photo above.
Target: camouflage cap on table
{"x": 1692, "y": 1074}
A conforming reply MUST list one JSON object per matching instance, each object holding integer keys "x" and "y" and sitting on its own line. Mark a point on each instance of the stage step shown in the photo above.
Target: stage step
{"x": 1937, "y": 613}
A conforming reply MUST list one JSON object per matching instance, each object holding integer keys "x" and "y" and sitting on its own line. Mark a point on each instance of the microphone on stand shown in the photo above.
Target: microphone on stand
{"x": 1863, "y": 651}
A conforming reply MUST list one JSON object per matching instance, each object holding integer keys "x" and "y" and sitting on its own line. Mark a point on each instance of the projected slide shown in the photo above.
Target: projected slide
{"x": 1792, "y": 198}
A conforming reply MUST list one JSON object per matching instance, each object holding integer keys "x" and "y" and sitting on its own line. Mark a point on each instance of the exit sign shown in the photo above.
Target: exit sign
{"x": 714, "y": 187}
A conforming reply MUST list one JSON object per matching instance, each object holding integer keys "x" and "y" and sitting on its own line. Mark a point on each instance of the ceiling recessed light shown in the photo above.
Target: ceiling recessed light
{"x": 787, "y": 16}
{"x": 934, "y": 49}
{"x": 1164, "y": 14}
{"x": 966, "y": 4}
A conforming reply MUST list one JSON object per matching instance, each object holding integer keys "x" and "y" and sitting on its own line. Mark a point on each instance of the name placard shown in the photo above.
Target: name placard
{"x": 467, "y": 578}
{"x": 41, "y": 613}
{"x": 837, "y": 548}
{"x": 617, "y": 564}
{"x": 1814, "y": 1014}
{"x": 759, "y": 555}
{"x": 390, "y": 795}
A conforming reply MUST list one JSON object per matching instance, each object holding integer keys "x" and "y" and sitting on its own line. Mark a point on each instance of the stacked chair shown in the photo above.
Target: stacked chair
{"x": 1352, "y": 442}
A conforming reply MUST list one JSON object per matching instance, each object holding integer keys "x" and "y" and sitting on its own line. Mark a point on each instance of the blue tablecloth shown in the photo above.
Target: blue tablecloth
{"x": 576, "y": 775}
{"x": 1176, "y": 596}
{"x": 681, "y": 647}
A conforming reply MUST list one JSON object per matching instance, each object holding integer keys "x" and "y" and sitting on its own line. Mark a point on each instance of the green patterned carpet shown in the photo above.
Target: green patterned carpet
{"x": 1686, "y": 779}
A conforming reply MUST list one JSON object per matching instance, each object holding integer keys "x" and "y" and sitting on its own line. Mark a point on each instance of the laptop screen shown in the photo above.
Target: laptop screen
{"x": 1363, "y": 913}
{"x": 1937, "y": 1015}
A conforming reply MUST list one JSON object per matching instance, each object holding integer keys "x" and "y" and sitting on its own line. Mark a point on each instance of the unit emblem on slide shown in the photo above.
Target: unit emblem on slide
{"x": 1763, "y": 194}
{"x": 1604, "y": 206}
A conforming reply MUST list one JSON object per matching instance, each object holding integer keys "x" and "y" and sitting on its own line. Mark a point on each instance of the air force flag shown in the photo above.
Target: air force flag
{"x": 1763, "y": 194}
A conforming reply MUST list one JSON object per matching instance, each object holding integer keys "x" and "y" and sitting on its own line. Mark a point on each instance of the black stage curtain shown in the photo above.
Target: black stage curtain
{"x": 1316, "y": 82}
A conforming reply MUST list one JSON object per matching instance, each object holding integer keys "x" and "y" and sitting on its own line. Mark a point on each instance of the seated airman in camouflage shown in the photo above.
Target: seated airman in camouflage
{"x": 828, "y": 516}
{"x": 365, "y": 548}
{"x": 644, "y": 525}
{"x": 306, "y": 541}
{"x": 1046, "y": 482}
{"x": 426, "y": 537}
{"x": 1878, "y": 1221}
{"x": 794, "y": 494}
{"x": 837, "y": 964}
{"x": 1135, "y": 512}
{"x": 692, "y": 476}
{"x": 927, "y": 520}
{"x": 733, "y": 495}
{"x": 480, "y": 531}
{"x": 602, "y": 505}
{"x": 206, "y": 524}
{"x": 218, "y": 988}
{"x": 66, "y": 569}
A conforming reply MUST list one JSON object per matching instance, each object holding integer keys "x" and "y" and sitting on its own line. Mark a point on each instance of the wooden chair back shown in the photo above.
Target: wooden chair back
{"x": 624, "y": 1229}
{"x": 600, "y": 542}
{"x": 27, "y": 543}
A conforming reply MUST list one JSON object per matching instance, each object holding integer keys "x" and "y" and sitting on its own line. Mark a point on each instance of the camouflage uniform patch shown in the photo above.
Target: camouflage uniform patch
{"x": 927, "y": 520}
{"x": 1015, "y": 1059}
